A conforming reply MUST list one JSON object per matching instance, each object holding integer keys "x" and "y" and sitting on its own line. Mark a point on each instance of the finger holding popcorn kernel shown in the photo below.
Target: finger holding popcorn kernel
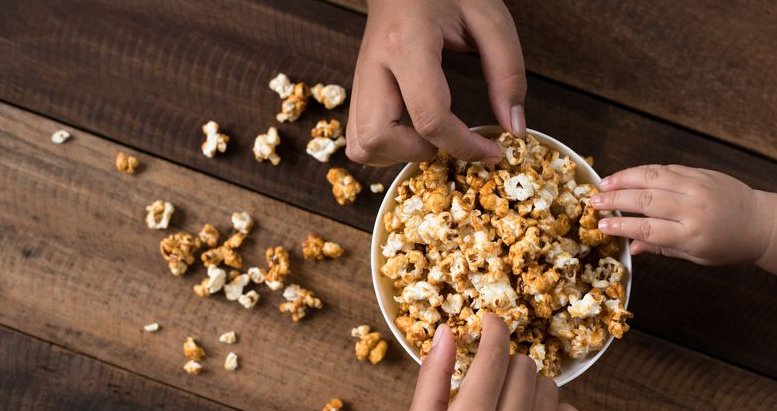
{"x": 214, "y": 141}
{"x": 264, "y": 146}
{"x": 158, "y": 214}
{"x": 330, "y": 95}
{"x": 126, "y": 164}
{"x": 345, "y": 188}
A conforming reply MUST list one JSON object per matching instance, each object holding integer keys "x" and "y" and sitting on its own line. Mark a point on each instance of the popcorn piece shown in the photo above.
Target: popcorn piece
{"x": 298, "y": 300}
{"x": 587, "y": 307}
{"x": 242, "y": 222}
{"x": 234, "y": 289}
{"x": 214, "y": 141}
{"x": 330, "y": 96}
{"x": 278, "y": 265}
{"x": 126, "y": 164}
{"x": 264, "y": 146}
{"x": 151, "y": 328}
{"x": 377, "y": 188}
{"x": 192, "y": 367}
{"x": 333, "y": 405}
{"x": 60, "y": 137}
{"x": 370, "y": 345}
{"x": 344, "y": 186}
{"x": 331, "y": 129}
{"x": 293, "y": 106}
{"x": 230, "y": 363}
{"x": 322, "y": 148}
{"x": 228, "y": 337}
{"x": 212, "y": 284}
{"x": 249, "y": 299}
{"x": 193, "y": 351}
{"x": 315, "y": 248}
{"x": 209, "y": 235}
{"x": 281, "y": 85}
{"x": 178, "y": 250}
{"x": 158, "y": 214}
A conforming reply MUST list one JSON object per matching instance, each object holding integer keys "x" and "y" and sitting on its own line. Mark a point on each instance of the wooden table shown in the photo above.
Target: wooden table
{"x": 627, "y": 82}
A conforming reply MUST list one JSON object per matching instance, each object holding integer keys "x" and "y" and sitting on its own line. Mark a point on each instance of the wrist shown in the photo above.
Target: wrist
{"x": 766, "y": 217}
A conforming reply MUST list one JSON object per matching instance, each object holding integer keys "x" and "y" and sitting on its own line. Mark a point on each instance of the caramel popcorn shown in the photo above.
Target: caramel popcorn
{"x": 126, "y": 164}
{"x": 228, "y": 337}
{"x": 193, "y": 351}
{"x": 151, "y": 328}
{"x": 344, "y": 186}
{"x": 213, "y": 283}
{"x": 214, "y": 141}
{"x": 377, "y": 188}
{"x": 264, "y": 146}
{"x": 293, "y": 106}
{"x": 234, "y": 289}
{"x": 327, "y": 139}
{"x": 277, "y": 259}
{"x": 178, "y": 250}
{"x": 158, "y": 214}
{"x": 298, "y": 300}
{"x": 282, "y": 85}
{"x": 230, "y": 363}
{"x": 249, "y": 299}
{"x": 242, "y": 222}
{"x": 330, "y": 95}
{"x": 370, "y": 345}
{"x": 192, "y": 367}
{"x": 333, "y": 405}
{"x": 209, "y": 235}
{"x": 315, "y": 248}
{"x": 60, "y": 137}
{"x": 518, "y": 239}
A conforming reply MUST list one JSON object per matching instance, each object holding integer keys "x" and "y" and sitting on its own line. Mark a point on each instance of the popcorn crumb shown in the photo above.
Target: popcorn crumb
{"x": 264, "y": 146}
{"x": 333, "y": 405}
{"x": 315, "y": 248}
{"x": 228, "y": 337}
{"x": 209, "y": 235}
{"x": 178, "y": 250}
{"x": 151, "y": 328}
{"x": 193, "y": 351}
{"x": 370, "y": 345}
{"x": 330, "y": 95}
{"x": 60, "y": 137}
{"x": 230, "y": 363}
{"x": 298, "y": 300}
{"x": 158, "y": 214}
{"x": 242, "y": 222}
{"x": 344, "y": 186}
{"x": 293, "y": 106}
{"x": 214, "y": 141}
{"x": 376, "y": 188}
{"x": 249, "y": 299}
{"x": 282, "y": 85}
{"x": 192, "y": 367}
{"x": 126, "y": 164}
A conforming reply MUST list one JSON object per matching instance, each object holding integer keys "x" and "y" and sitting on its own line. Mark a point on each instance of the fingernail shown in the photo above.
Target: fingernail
{"x": 605, "y": 182}
{"x": 596, "y": 200}
{"x": 437, "y": 335}
{"x": 603, "y": 225}
{"x": 517, "y": 120}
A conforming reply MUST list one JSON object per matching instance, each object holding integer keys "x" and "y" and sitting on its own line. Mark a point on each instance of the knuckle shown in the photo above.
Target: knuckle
{"x": 645, "y": 199}
{"x": 355, "y": 154}
{"x": 523, "y": 361}
{"x": 652, "y": 175}
{"x": 646, "y": 230}
{"x": 369, "y": 137}
{"x": 397, "y": 39}
{"x": 428, "y": 124}
{"x": 491, "y": 358}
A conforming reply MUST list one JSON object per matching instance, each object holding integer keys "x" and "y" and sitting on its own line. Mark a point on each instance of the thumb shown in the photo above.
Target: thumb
{"x": 432, "y": 390}
{"x": 493, "y": 31}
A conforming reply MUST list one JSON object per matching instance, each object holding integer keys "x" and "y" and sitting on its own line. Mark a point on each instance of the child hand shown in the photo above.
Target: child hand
{"x": 495, "y": 381}
{"x": 699, "y": 215}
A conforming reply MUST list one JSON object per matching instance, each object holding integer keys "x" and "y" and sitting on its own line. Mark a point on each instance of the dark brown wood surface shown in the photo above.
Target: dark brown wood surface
{"x": 703, "y": 64}
{"x": 36, "y": 375}
{"x": 81, "y": 270}
{"x": 148, "y": 74}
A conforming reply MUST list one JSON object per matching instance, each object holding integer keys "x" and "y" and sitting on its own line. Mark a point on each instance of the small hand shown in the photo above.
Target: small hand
{"x": 495, "y": 381}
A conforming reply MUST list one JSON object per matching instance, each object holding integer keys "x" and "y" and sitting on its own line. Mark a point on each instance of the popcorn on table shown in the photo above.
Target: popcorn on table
{"x": 242, "y": 222}
{"x": 193, "y": 351}
{"x": 178, "y": 250}
{"x": 333, "y": 405}
{"x": 315, "y": 248}
{"x": 298, "y": 300}
{"x": 282, "y": 85}
{"x": 344, "y": 186}
{"x": 512, "y": 239}
{"x": 230, "y": 363}
{"x": 249, "y": 299}
{"x": 158, "y": 214}
{"x": 377, "y": 188}
{"x": 295, "y": 104}
{"x": 126, "y": 164}
{"x": 264, "y": 146}
{"x": 370, "y": 345}
{"x": 330, "y": 95}
{"x": 327, "y": 139}
{"x": 214, "y": 141}
{"x": 60, "y": 136}
{"x": 151, "y": 328}
{"x": 192, "y": 367}
{"x": 209, "y": 235}
{"x": 228, "y": 337}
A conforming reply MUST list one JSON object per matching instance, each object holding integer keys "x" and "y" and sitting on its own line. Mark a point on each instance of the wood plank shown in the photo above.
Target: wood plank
{"x": 107, "y": 76}
{"x": 698, "y": 63}
{"x": 36, "y": 375}
{"x": 82, "y": 270}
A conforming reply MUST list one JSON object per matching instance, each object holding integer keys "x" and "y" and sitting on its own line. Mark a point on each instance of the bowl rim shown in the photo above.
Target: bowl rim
{"x": 388, "y": 199}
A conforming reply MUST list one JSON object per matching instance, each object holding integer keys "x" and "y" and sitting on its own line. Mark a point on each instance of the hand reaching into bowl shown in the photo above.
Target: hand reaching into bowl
{"x": 699, "y": 215}
{"x": 399, "y": 66}
{"x": 495, "y": 381}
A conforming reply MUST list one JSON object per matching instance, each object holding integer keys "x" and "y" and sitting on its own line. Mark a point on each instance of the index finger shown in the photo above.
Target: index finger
{"x": 484, "y": 380}
{"x": 649, "y": 176}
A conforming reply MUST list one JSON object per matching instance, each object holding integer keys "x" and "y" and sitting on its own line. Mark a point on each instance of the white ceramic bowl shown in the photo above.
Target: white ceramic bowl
{"x": 384, "y": 289}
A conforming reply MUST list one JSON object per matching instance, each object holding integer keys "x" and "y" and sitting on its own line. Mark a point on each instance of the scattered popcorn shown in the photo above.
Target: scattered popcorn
{"x": 213, "y": 283}
{"x": 264, "y": 146}
{"x": 512, "y": 239}
{"x": 230, "y": 363}
{"x": 178, "y": 250}
{"x": 298, "y": 300}
{"x": 214, "y": 141}
{"x": 209, "y": 235}
{"x": 234, "y": 289}
{"x": 281, "y": 85}
{"x": 327, "y": 139}
{"x": 344, "y": 186}
{"x": 376, "y": 188}
{"x": 370, "y": 345}
{"x": 293, "y": 106}
{"x": 158, "y": 214}
{"x": 151, "y": 328}
{"x": 126, "y": 164}
{"x": 228, "y": 337}
{"x": 242, "y": 222}
{"x": 278, "y": 267}
{"x": 330, "y": 96}
{"x": 192, "y": 367}
{"x": 331, "y": 129}
{"x": 333, "y": 405}
{"x": 193, "y": 351}
{"x": 60, "y": 137}
{"x": 315, "y": 248}
{"x": 249, "y": 299}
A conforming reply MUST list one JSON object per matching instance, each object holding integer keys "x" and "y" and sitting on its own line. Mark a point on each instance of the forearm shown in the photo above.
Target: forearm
{"x": 767, "y": 215}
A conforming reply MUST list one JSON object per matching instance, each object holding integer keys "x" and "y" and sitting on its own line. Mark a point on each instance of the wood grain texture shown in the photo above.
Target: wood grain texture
{"x": 702, "y": 64}
{"x": 36, "y": 375}
{"x": 80, "y": 269}
{"x": 149, "y": 74}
